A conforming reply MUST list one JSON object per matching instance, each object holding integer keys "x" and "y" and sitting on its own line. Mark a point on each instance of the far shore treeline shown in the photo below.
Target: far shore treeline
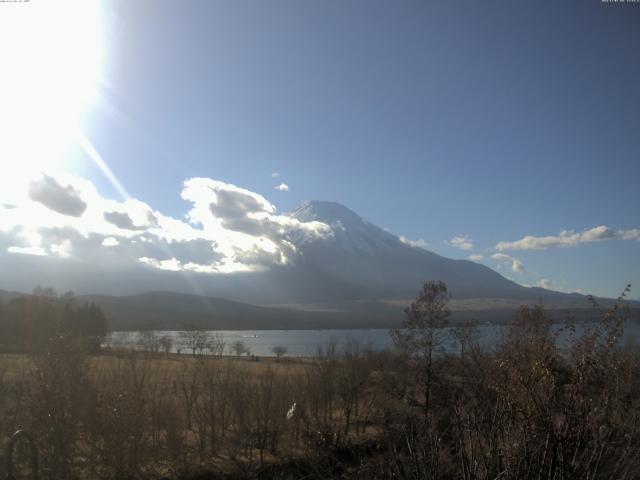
{"x": 28, "y": 322}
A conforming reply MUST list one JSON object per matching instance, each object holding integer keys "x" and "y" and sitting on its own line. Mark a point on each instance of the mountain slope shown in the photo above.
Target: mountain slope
{"x": 371, "y": 259}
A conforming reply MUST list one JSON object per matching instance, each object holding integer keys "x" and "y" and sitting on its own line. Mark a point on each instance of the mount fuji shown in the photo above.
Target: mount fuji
{"x": 371, "y": 259}
{"x": 359, "y": 275}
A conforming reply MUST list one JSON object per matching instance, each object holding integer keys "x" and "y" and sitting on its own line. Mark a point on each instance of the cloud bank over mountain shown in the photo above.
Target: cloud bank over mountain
{"x": 228, "y": 228}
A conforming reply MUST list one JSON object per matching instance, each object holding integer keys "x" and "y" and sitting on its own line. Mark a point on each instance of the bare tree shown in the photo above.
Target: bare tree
{"x": 196, "y": 340}
{"x": 121, "y": 341}
{"x": 148, "y": 341}
{"x": 279, "y": 351}
{"x": 420, "y": 335}
{"x": 240, "y": 348}
{"x": 217, "y": 344}
{"x": 166, "y": 342}
{"x": 351, "y": 380}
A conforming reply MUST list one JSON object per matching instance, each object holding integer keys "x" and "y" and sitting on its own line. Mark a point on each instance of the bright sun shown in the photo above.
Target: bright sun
{"x": 51, "y": 55}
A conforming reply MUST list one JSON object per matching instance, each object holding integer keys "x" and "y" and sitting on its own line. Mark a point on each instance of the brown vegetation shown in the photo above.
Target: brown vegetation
{"x": 525, "y": 409}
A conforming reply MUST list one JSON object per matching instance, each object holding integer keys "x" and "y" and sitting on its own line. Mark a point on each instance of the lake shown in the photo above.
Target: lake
{"x": 305, "y": 342}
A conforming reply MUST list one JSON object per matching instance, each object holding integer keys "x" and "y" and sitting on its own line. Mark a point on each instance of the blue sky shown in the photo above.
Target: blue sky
{"x": 492, "y": 120}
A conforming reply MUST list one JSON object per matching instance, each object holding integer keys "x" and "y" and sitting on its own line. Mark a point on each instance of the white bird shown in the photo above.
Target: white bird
{"x": 291, "y": 411}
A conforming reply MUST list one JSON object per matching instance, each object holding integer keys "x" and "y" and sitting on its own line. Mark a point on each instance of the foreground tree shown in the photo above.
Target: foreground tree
{"x": 420, "y": 335}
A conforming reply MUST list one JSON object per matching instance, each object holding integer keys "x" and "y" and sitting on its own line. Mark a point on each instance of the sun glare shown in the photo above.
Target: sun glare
{"x": 51, "y": 57}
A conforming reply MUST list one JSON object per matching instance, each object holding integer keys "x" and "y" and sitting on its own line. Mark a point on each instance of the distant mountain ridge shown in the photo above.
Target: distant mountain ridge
{"x": 172, "y": 310}
{"x": 180, "y": 311}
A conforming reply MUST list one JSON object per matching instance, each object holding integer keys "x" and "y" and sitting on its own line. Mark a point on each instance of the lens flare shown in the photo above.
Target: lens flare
{"x": 51, "y": 66}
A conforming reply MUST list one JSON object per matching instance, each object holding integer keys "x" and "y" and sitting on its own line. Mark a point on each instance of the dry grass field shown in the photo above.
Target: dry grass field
{"x": 151, "y": 414}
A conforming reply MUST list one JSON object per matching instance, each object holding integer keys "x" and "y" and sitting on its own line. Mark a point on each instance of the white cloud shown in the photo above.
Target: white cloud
{"x": 27, "y": 250}
{"x": 461, "y": 242}
{"x": 515, "y": 263}
{"x": 228, "y": 228}
{"x": 476, "y": 257}
{"x": 170, "y": 264}
{"x": 569, "y": 238}
{"x": 275, "y": 175}
{"x": 419, "y": 243}
{"x": 283, "y": 187}
{"x": 545, "y": 283}
{"x": 62, "y": 249}
{"x": 632, "y": 234}
{"x": 111, "y": 242}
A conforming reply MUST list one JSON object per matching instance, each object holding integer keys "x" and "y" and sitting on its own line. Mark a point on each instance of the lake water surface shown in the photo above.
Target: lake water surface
{"x": 306, "y": 342}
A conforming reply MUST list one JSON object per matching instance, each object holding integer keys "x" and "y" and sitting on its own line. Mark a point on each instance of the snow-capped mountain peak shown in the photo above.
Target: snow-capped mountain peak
{"x": 326, "y": 212}
{"x": 350, "y": 231}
